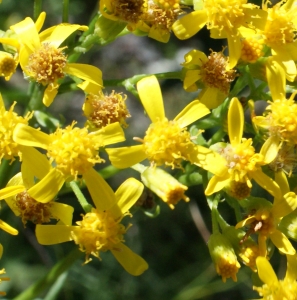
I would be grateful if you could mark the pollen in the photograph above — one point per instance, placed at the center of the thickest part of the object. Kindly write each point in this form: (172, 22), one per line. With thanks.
(167, 143)
(226, 14)
(241, 159)
(46, 65)
(239, 190)
(74, 150)
(7, 65)
(9, 149)
(215, 74)
(98, 231)
(228, 266)
(252, 49)
(32, 210)
(102, 110)
(168, 4)
(280, 26)
(128, 10)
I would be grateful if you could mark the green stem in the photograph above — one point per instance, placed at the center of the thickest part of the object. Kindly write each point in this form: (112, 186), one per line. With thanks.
(81, 198)
(35, 102)
(37, 9)
(65, 16)
(49, 279)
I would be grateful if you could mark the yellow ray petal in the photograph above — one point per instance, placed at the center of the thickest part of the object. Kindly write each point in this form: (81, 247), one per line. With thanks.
(151, 97)
(131, 262)
(234, 47)
(265, 271)
(53, 234)
(191, 77)
(50, 93)
(270, 149)
(282, 242)
(111, 133)
(4, 226)
(126, 157)
(211, 97)
(291, 273)
(62, 212)
(11, 42)
(285, 205)
(127, 195)
(216, 184)
(62, 32)
(40, 21)
(281, 180)
(245, 222)
(11, 191)
(101, 193)
(29, 136)
(47, 188)
(192, 112)
(190, 24)
(85, 72)
(235, 122)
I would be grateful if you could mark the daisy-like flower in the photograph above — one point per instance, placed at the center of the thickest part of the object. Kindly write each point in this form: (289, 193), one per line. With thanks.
(16, 193)
(273, 288)
(9, 149)
(265, 218)
(223, 18)
(166, 142)
(279, 121)
(211, 73)
(100, 230)
(74, 151)
(152, 17)
(242, 163)
(43, 60)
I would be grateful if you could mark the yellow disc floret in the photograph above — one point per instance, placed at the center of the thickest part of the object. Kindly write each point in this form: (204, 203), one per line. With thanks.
(32, 210)
(128, 10)
(98, 231)
(9, 149)
(46, 64)
(74, 150)
(168, 3)
(167, 143)
(252, 49)
(7, 65)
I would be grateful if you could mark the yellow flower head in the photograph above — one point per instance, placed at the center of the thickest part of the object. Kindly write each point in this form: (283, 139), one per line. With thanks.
(210, 72)
(74, 151)
(223, 18)
(280, 120)
(9, 149)
(223, 256)
(166, 142)
(273, 288)
(100, 230)
(8, 64)
(43, 60)
(101, 110)
(252, 49)
(242, 163)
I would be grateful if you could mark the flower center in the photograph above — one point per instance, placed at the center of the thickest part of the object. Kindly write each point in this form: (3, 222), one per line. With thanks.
(239, 190)
(214, 73)
(102, 110)
(167, 143)
(128, 10)
(252, 49)
(7, 65)
(241, 159)
(227, 266)
(98, 231)
(264, 223)
(225, 14)
(32, 210)
(74, 150)
(8, 121)
(46, 65)
(280, 26)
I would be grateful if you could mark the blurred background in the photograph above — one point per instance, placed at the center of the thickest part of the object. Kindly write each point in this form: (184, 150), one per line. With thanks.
(174, 242)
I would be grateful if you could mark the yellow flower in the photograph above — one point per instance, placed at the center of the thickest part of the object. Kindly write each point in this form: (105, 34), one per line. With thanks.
(8, 64)
(211, 72)
(166, 142)
(279, 121)
(44, 61)
(274, 289)
(223, 18)
(265, 218)
(17, 192)
(100, 230)
(241, 162)
(223, 256)
(9, 149)
(74, 151)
